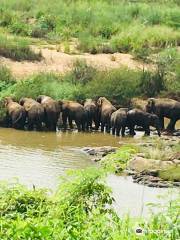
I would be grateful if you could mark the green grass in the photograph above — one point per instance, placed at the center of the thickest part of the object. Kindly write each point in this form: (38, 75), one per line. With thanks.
(117, 162)
(17, 49)
(80, 209)
(170, 174)
(100, 26)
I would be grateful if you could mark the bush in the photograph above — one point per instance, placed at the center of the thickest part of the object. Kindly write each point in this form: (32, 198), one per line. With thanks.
(81, 209)
(152, 83)
(120, 85)
(6, 78)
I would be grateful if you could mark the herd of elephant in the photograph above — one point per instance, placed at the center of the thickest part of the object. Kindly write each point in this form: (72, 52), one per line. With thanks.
(45, 112)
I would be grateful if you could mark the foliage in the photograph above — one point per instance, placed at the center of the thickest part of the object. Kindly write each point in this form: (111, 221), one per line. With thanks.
(81, 209)
(6, 78)
(152, 83)
(170, 174)
(119, 85)
(100, 26)
(117, 162)
(17, 49)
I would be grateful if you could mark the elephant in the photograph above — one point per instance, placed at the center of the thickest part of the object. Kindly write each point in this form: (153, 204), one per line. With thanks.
(119, 121)
(143, 119)
(91, 114)
(16, 114)
(35, 113)
(105, 109)
(51, 109)
(73, 111)
(164, 107)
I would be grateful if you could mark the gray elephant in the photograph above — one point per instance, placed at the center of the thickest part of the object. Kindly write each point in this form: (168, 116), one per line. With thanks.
(137, 117)
(35, 113)
(73, 111)
(16, 114)
(52, 111)
(105, 109)
(164, 107)
(119, 121)
(91, 111)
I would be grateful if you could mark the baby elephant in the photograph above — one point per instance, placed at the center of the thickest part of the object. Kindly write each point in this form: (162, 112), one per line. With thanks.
(16, 114)
(119, 121)
(142, 119)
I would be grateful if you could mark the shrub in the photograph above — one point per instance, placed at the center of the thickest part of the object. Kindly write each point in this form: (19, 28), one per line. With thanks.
(119, 85)
(6, 78)
(152, 83)
(81, 73)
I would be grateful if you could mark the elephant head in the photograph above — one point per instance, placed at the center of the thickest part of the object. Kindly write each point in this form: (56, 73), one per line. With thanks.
(40, 98)
(150, 107)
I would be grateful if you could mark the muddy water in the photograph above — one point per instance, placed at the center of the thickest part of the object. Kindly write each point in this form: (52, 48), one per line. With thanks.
(40, 158)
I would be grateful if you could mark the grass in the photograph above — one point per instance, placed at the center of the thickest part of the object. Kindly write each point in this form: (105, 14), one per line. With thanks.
(117, 162)
(100, 26)
(17, 49)
(160, 150)
(80, 209)
(170, 174)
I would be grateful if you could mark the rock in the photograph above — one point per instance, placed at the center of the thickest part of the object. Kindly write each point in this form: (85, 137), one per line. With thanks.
(176, 161)
(91, 152)
(176, 184)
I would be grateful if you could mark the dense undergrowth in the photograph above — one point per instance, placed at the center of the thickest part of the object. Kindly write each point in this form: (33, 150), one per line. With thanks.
(140, 27)
(81, 209)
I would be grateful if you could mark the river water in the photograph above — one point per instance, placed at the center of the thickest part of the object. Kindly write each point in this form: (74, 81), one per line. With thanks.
(40, 158)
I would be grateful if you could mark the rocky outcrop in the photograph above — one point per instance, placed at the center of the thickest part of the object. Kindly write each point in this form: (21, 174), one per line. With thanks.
(97, 153)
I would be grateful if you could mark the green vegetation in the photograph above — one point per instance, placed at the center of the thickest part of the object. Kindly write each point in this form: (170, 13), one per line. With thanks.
(170, 174)
(117, 162)
(142, 27)
(17, 49)
(81, 209)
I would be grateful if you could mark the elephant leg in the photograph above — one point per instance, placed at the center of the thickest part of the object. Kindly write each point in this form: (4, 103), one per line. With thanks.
(83, 127)
(171, 125)
(102, 127)
(70, 123)
(108, 126)
(162, 122)
(132, 132)
(118, 131)
(97, 124)
(113, 130)
(64, 119)
(147, 131)
(30, 126)
(78, 124)
(123, 131)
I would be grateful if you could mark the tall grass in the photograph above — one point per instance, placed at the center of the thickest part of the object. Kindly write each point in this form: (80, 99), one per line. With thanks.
(100, 26)
(17, 49)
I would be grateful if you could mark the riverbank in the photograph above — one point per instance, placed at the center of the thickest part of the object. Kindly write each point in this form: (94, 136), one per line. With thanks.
(155, 162)
(82, 203)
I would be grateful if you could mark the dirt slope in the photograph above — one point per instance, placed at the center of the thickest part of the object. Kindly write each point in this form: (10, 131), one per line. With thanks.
(61, 62)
